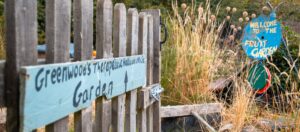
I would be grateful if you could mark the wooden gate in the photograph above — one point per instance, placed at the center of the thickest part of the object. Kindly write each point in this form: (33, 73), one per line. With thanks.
(119, 33)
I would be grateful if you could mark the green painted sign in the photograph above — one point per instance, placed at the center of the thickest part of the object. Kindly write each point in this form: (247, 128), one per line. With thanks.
(258, 76)
(51, 92)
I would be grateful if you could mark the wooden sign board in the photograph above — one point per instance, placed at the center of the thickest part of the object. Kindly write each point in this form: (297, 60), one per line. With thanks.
(262, 36)
(51, 92)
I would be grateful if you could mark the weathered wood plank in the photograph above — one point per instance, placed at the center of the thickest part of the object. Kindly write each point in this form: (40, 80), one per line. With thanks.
(104, 35)
(58, 22)
(119, 49)
(132, 49)
(185, 110)
(156, 44)
(142, 49)
(144, 97)
(210, 128)
(83, 29)
(74, 86)
(156, 65)
(150, 69)
(150, 56)
(83, 39)
(104, 18)
(150, 119)
(21, 38)
(102, 115)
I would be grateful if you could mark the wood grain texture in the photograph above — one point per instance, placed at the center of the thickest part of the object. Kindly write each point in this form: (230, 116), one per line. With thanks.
(150, 56)
(185, 110)
(156, 44)
(58, 23)
(144, 98)
(104, 18)
(119, 50)
(21, 38)
(132, 49)
(83, 29)
(58, 26)
(150, 59)
(142, 49)
(156, 65)
(102, 115)
(83, 40)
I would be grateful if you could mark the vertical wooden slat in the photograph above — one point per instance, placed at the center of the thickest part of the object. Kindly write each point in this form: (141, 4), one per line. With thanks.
(150, 70)
(83, 40)
(104, 50)
(119, 50)
(21, 38)
(132, 49)
(156, 44)
(58, 22)
(142, 49)
(157, 67)
(83, 29)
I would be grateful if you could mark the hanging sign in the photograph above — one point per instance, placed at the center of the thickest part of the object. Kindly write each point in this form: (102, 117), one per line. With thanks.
(262, 36)
(51, 92)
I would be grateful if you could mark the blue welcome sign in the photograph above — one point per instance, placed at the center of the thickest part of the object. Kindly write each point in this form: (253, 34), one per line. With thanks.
(51, 92)
(262, 36)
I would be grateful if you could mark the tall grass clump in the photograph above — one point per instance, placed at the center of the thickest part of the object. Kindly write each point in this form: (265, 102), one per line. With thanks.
(191, 54)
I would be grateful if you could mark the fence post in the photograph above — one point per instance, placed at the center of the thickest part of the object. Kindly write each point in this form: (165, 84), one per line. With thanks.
(150, 70)
(157, 67)
(104, 50)
(58, 23)
(119, 50)
(21, 38)
(132, 49)
(142, 49)
(83, 40)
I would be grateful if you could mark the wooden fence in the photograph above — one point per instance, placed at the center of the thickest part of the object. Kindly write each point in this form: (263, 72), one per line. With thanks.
(119, 33)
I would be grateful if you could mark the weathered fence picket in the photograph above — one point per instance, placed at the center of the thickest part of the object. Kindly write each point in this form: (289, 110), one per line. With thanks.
(58, 31)
(21, 38)
(83, 40)
(132, 49)
(118, 34)
(142, 49)
(119, 50)
(104, 19)
(156, 65)
(150, 70)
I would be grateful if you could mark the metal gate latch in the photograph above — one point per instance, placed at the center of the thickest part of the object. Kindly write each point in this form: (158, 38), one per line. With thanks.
(155, 91)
